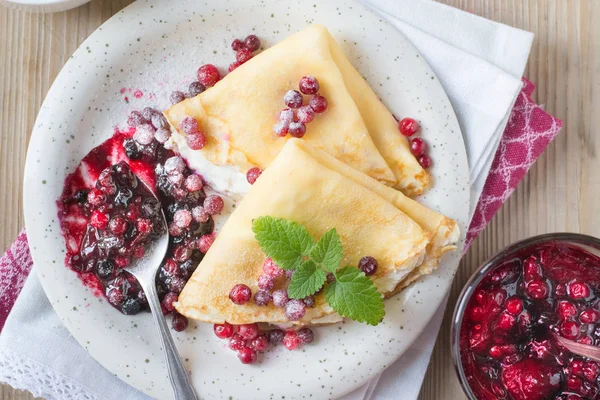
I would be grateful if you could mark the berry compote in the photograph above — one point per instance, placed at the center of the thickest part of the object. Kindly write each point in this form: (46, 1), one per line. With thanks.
(107, 217)
(507, 339)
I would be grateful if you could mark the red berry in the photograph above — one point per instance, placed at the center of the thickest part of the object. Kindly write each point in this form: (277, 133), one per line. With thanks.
(262, 298)
(208, 75)
(514, 305)
(237, 45)
(589, 316)
(569, 330)
(199, 214)
(224, 330)
(566, 310)
(205, 242)
(138, 252)
(280, 298)
(293, 99)
(297, 129)
(495, 352)
(233, 66)
(182, 218)
(118, 225)
(196, 141)
(477, 314)
(271, 269)
(408, 126)
(253, 174)
(275, 336)
(189, 125)
(538, 289)
(95, 197)
(248, 331)
(236, 342)
(305, 114)
(213, 205)
(260, 343)
(309, 85)
(252, 42)
(247, 355)
(418, 146)
(531, 269)
(240, 294)
(291, 340)
(281, 129)
(99, 220)
(425, 161)
(295, 310)
(590, 371)
(180, 323)
(243, 55)
(143, 225)
(318, 103)
(121, 261)
(286, 116)
(193, 183)
(505, 321)
(306, 335)
(266, 282)
(168, 301)
(181, 253)
(368, 265)
(578, 290)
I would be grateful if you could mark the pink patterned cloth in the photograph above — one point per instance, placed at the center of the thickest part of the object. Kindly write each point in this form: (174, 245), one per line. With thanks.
(529, 130)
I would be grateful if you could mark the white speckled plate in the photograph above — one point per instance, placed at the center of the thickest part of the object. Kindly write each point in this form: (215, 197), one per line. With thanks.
(134, 60)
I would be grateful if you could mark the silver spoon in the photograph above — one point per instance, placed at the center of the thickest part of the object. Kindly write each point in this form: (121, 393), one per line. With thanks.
(584, 350)
(144, 270)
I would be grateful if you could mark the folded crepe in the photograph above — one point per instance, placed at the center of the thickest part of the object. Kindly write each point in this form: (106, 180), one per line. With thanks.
(299, 187)
(239, 112)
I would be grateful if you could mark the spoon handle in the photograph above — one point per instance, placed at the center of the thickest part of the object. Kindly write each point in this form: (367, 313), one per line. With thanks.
(180, 381)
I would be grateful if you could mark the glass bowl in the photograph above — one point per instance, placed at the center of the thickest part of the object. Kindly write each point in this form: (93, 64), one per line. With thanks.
(587, 243)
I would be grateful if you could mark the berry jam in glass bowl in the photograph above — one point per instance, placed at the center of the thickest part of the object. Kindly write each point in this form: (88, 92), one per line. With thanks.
(508, 314)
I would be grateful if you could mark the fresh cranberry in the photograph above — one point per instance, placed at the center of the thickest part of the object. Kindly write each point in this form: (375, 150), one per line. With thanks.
(275, 336)
(252, 42)
(305, 114)
(174, 230)
(281, 129)
(181, 253)
(309, 85)
(569, 330)
(589, 316)
(531, 269)
(144, 134)
(425, 161)
(213, 205)
(505, 321)
(243, 55)
(237, 45)
(309, 301)
(193, 183)
(262, 298)
(199, 214)
(295, 310)
(205, 242)
(293, 99)
(306, 335)
(233, 66)
(99, 220)
(408, 126)
(286, 115)
(247, 355)
(182, 218)
(566, 310)
(189, 125)
(418, 146)
(253, 174)
(368, 265)
(196, 141)
(248, 331)
(271, 269)
(236, 342)
(162, 135)
(196, 88)
(143, 225)
(514, 305)
(176, 97)
(118, 225)
(538, 289)
(578, 290)
(280, 298)
(224, 330)
(208, 75)
(179, 322)
(115, 297)
(318, 103)
(266, 282)
(495, 352)
(297, 129)
(240, 294)
(135, 119)
(260, 343)
(174, 164)
(95, 197)
(291, 340)
(168, 301)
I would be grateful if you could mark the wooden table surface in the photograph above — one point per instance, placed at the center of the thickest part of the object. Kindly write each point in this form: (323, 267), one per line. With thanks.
(560, 193)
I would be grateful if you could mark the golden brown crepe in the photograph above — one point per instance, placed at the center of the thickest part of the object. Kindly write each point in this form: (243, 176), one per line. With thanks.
(239, 112)
(299, 187)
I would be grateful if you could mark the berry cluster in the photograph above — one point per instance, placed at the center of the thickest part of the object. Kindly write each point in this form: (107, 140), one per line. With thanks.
(293, 119)
(244, 50)
(408, 127)
(207, 76)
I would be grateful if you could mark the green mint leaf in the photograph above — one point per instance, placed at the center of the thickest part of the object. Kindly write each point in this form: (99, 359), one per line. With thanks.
(286, 242)
(307, 280)
(328, 251)
(353, 295)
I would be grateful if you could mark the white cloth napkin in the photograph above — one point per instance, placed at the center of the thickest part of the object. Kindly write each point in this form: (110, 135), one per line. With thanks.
(479, 63)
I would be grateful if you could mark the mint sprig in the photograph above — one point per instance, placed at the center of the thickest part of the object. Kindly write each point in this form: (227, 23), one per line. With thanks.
(352, 294)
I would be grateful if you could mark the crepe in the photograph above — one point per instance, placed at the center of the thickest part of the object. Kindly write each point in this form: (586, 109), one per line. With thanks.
(239, 112)
(298, 187)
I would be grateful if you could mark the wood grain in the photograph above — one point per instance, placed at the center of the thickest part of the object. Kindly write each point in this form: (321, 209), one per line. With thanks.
(560, 193)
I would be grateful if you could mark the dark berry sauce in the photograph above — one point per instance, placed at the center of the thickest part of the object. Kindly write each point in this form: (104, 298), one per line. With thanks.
(107, 217)
(506, 339)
